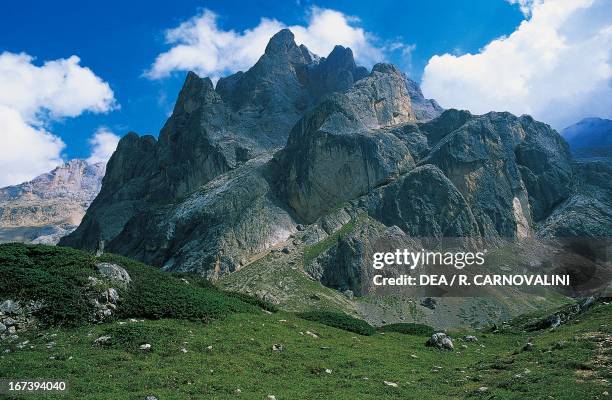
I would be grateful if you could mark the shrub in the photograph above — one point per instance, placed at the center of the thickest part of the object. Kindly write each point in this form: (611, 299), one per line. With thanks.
(58, 276)
(54, 276)
(155, 294)
(339, 320)
(408, 329)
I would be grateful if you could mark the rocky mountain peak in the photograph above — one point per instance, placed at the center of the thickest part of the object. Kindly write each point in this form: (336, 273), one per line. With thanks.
(281, 43)
(50, 205)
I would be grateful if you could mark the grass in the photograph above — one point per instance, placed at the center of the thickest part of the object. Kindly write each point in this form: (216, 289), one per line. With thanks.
(242, 358)
(206, 344)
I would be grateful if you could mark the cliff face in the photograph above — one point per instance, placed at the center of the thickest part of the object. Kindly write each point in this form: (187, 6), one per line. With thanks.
(215, 130)
(51, 205)
(294, 149)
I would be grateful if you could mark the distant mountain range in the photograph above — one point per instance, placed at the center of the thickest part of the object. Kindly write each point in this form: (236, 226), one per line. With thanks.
(590, 137)
(51, 205)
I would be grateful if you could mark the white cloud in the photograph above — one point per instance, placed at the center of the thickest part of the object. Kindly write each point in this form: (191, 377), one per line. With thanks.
(103, 144)
(26, 151)
(524, 5)
(31, 97)
(199, 44)
(555, 66)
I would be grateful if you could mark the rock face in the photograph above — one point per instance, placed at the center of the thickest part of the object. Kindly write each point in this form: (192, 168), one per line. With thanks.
(51, 205)
(348, 158)
(588, 211)
(213, 131)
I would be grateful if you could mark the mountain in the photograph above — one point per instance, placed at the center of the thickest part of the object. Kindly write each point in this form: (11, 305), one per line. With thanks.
(302, 167)
(590, 137)
(51, 205)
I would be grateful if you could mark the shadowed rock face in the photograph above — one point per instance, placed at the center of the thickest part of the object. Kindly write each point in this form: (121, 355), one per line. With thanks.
(214, 130)
(295, 138)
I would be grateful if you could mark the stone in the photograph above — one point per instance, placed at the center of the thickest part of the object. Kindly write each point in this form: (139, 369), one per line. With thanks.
(429, 302)
(2, 327)
(277, 347)
(392, 384)
(114, 273)
(441, 341)
(8, 321)
(145, 347)
(470, 338)
(102, 341)
(150, 397)
(112, 295)
(10, 307)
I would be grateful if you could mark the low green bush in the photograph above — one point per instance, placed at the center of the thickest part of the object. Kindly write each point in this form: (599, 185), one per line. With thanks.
(408, 329)
(339, 320)
(54, 276)
(156, 294)
(58, 277)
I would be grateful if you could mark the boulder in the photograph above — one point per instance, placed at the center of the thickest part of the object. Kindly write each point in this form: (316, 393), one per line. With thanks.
(114, 273)
(440, 341)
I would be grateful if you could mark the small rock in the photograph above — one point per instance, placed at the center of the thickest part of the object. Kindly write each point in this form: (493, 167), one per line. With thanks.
(112, 295)
(392, 384)
(328, 371)
(441, 341)
(8, 321)
(286, 250)
(271, 397)
(277, 347)
(10, 307)
(429, 302)
(237, 391)
(314, 335)
(209, 348)
(470, 338)
(414, 356)
(184, 350)
(2, 327)
(145, 347)
(102, 341)
(482, 389)
(11, 330)
(150, 397)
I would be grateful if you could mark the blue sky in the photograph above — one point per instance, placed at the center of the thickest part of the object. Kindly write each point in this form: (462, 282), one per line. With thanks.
(548, 58)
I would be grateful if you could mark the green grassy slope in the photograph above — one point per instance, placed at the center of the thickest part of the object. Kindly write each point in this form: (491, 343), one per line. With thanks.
(211, 357)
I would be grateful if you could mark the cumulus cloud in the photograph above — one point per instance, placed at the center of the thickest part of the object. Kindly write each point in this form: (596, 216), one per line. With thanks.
(26, 151)
(103, 144)
(555, 66)
(199, 44)
(524, 5)
(33, 96)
